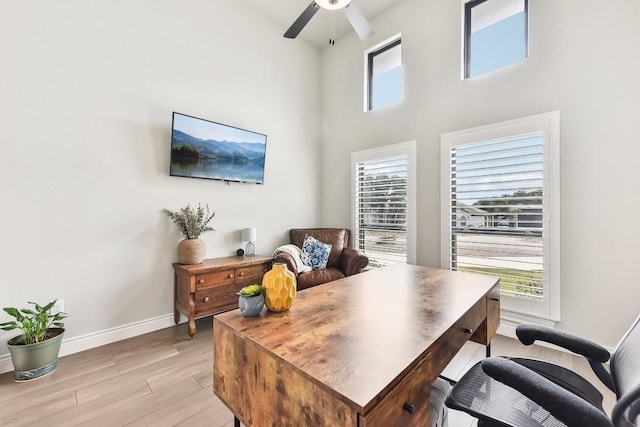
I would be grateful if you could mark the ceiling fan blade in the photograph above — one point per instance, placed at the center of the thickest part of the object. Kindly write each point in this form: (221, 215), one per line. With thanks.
(302, 20)
(359, 22)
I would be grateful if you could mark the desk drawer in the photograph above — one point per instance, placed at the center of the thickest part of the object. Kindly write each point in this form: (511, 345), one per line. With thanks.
(214, 278)
(485, 332)
(493, 312)
(407, 404)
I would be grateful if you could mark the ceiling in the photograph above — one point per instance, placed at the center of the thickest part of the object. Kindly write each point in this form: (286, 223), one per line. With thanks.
(317, 32)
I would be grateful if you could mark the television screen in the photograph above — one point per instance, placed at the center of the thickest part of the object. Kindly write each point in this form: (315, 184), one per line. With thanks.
(205, 149)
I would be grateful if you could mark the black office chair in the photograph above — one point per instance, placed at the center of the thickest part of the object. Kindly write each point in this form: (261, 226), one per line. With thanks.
(516, 392)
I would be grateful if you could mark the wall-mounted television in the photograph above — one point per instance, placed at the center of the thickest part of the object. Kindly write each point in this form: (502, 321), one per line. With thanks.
(204, 149)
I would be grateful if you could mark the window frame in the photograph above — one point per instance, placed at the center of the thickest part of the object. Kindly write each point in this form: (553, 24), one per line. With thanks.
(548, 124)
(369, 57)
(466, 36)
(407, 149)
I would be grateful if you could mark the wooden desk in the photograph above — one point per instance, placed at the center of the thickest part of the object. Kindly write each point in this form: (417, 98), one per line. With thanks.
(210, 287)
(352, 352)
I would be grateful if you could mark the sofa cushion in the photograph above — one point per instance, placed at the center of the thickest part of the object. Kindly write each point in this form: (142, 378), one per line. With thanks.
(315, 253)
(317, 277)
(338, 238)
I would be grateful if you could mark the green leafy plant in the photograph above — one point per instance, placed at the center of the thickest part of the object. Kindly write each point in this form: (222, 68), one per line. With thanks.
(192, 222)
(250, 291)
(33, 323)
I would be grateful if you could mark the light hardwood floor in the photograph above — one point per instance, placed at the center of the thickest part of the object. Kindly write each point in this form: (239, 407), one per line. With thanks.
(165, 379)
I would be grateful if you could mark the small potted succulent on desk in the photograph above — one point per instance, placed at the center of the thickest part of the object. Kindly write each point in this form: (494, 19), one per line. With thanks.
(35, 352)
(251, 300)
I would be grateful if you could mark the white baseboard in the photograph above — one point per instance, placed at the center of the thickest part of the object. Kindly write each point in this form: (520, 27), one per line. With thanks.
(96, 339)
(507, 330)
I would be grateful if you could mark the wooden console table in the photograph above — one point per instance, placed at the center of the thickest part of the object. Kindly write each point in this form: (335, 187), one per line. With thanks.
(210, 287)
(360, 351)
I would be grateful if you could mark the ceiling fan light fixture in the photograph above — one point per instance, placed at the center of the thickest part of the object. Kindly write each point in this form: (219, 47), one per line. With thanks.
(359, 23)
(333, 4)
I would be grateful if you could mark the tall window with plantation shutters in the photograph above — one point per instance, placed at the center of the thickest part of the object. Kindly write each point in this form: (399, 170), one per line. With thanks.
(383, 188)
(500, 209)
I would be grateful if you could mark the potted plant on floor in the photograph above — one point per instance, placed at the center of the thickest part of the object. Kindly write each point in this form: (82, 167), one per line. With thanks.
(192, 223)
(35, 352)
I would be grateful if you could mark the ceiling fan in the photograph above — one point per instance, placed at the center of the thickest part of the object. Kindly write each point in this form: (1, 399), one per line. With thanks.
(360, 24)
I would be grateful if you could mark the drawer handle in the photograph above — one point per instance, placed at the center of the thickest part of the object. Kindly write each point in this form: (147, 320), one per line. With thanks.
(494, 299)
(467, 330)
(230, 275)
(241, 274)
(409, 408)
(205, 299)
(201, 281)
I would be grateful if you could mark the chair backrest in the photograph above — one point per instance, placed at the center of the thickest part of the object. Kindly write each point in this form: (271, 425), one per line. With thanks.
(338, 238)
(625, 370)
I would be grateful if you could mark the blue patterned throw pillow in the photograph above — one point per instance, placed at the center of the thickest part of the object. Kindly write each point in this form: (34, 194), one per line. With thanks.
(315, 254)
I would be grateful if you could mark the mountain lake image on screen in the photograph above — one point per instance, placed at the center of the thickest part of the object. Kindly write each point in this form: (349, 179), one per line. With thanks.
(209, 150)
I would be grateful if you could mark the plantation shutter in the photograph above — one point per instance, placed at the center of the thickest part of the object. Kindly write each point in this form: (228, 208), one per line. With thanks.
(381, 209)
(497, 212)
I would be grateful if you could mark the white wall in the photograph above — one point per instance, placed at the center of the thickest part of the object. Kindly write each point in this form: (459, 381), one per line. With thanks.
(582, 62)
(86, 95)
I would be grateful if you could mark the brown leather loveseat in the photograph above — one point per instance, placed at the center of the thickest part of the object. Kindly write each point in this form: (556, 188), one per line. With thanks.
(343, 260)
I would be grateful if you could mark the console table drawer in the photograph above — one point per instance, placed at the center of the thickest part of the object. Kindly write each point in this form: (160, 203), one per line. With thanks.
(214, 278)
(250, 275)
(216, 299)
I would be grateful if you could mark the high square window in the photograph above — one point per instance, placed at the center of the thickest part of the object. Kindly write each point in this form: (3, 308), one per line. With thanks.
(495, 35)
(384, 75)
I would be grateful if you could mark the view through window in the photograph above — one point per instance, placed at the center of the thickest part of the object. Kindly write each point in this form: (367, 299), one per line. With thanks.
(495, 35)
(382, 185)
(497, 211)
(498, 201)
(384, 75)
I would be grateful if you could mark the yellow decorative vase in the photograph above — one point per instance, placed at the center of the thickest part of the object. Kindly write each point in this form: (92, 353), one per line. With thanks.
(279, 286)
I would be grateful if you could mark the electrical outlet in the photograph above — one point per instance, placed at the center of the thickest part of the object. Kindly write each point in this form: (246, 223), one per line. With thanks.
(58, 307)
